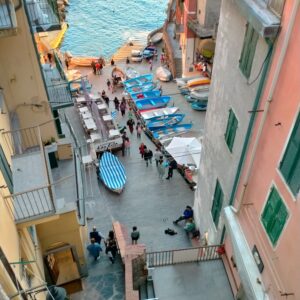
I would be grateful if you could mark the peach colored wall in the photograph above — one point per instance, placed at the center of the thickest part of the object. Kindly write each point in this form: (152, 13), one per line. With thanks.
(189, 7)
(281, 262)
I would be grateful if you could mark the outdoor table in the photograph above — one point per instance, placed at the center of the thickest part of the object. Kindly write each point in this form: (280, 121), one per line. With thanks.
(107, 118)
(95, 137)
(90, 124)
(114, 133)
(102, 106)
(83, 109)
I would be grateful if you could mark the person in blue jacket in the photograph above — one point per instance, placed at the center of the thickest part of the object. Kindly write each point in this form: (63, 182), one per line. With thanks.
(187, 214)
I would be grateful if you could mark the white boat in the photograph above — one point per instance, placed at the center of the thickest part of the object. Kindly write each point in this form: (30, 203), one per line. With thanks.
(159, 112)
(156, 38)
(136, 55)
(163, 74)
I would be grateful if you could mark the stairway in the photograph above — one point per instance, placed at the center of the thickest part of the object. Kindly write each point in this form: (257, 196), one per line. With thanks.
(178, 67)
(147, 291)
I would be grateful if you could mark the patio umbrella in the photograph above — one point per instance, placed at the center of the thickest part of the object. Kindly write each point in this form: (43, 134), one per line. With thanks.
(185, 150)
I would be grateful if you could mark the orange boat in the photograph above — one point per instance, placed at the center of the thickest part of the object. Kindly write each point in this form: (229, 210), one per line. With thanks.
(82, 61)
(198, 81)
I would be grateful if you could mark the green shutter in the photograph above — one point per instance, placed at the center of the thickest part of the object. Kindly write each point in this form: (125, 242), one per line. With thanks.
(248, 51)
(274, 216)
(230, 133)
(5, 169)
(217, 203)
(290, 164)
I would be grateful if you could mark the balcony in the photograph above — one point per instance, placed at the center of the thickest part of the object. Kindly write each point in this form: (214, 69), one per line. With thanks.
(56, 84)
(8, 21)
(42, 186)
(185, 273)
(199, 30)
(43, 15)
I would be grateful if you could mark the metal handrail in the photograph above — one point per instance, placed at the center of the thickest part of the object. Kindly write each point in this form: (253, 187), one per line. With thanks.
(170, 257)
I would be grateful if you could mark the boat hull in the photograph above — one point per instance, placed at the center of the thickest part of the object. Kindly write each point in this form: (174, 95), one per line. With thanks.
(164, 121)
(112, 172)
(141, 80)
(171, 131)
(151, 103)
(159, 112)
(144, 95)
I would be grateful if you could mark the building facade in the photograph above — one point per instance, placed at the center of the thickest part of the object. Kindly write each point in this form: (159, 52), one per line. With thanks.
(262, 225)
(41, 235)
(244, 46)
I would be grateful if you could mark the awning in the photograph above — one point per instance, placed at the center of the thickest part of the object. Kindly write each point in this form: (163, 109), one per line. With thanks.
(247, 268)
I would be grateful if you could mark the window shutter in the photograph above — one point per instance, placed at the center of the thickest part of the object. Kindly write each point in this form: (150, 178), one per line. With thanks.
(5, 169)
(217, 203)
(279, 221)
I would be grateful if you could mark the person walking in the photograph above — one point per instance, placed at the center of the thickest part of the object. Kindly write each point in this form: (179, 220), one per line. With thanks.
(157, 156)
(123, 107)
(94, 249)
(112, 62)
(172, 166)
(127, 146)
(108, 83)
(139, 130)
(130, 124)
(97, 65)
(148, 156)
(142, 149)
(130, 113)
(135, 235)
(151, 64)
(96, 235)
(93, 64)
(111, 246)
(127, 60)
(117, 103)
(161, 168)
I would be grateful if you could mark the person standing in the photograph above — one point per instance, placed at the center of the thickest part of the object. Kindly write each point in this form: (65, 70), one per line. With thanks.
(117, 103)
(130, 124)
(112, 62)
(123, 107)
(127, 146)
(139, 130)
(172, 166)
(135, 235)
(142, 149)
(148, 156)
(157, 156)
(161, 168)
(111, 246)
(151, 64)
(130, 114)
(96, 235)
(93, 64)
(127, 60)
(94, 249)
(97, 65)
(108, 83)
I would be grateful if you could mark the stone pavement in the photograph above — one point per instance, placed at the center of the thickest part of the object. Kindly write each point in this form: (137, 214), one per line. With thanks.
(147, 202)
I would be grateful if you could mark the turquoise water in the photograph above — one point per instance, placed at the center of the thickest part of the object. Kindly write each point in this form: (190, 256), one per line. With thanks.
(100, 27)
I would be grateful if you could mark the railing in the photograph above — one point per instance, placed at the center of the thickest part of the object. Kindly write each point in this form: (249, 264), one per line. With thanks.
(171, 257)
(22, 140)
(59, 66)
(7, 15)
(199, 30)
(31, 204)
(43, 14)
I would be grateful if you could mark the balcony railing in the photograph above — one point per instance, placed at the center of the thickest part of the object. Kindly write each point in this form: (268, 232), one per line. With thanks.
(7, 15)
(43, 15)
(171, 257)
(201, 31)
(31, 205)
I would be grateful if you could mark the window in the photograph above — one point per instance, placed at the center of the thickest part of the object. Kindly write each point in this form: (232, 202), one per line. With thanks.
(232, 125)
(247, 56)
(5, 170)
(217, 203)
(290, 164)
(274, 216)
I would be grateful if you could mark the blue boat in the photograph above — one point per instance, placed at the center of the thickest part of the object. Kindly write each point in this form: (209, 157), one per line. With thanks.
(199, 105)
(149, 52)
(142, 88)
(151, 103)
(112, 172)
(191, 99)
(143, 95)
(138, 80)
(171, 131)
(164, 121)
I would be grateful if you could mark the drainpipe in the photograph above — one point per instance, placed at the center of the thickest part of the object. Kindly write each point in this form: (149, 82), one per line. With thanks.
(269, 99)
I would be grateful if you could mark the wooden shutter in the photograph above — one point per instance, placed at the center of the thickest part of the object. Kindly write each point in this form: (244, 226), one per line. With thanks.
(290, 164)
(217, 203)
(231, 129)
(5, 169)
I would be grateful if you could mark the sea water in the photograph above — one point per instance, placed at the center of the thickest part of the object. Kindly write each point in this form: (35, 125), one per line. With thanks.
(100, 27)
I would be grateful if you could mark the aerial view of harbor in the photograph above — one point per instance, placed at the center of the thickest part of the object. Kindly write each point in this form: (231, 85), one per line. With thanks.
(149, 149)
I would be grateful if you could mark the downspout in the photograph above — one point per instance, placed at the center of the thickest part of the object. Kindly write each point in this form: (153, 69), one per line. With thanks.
(269, 99)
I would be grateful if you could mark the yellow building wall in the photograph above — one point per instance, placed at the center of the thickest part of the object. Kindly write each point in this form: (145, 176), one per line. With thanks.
(65, 229)
(21, 79)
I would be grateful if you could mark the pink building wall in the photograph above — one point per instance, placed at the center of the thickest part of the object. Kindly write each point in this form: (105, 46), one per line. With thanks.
(189, 6)
(282, 262)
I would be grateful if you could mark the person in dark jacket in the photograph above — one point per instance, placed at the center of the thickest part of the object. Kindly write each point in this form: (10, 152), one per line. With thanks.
(135, 235)
(187, 214)
(148, 156)
(96, 235)
(117, 103)
(172, 166)
(130, 124)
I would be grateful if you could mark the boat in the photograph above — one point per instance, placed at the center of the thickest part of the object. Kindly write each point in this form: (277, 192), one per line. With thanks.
(171, 131)
(131, 73)
(198, 81)
(119, 74)
(159, 112)
(151, 103)
(149, 52)
(136, 56)
(164, 121)
(112, 172)
(163, 74)
(142, 88)
(143, 95)
(185, 90)
(199, 105)
(195, 96)
(156, 38)
(183, 80)
(138, 80)
(82, 61)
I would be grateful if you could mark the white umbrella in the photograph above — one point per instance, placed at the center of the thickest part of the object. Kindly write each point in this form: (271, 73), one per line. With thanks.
(185, 150)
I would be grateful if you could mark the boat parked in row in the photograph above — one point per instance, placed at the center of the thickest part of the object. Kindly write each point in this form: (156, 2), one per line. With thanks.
(151, 103)
(171, 131)
(143, 95)
(159, 112)
(142, 88)
(164, 121)
(147, 78)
